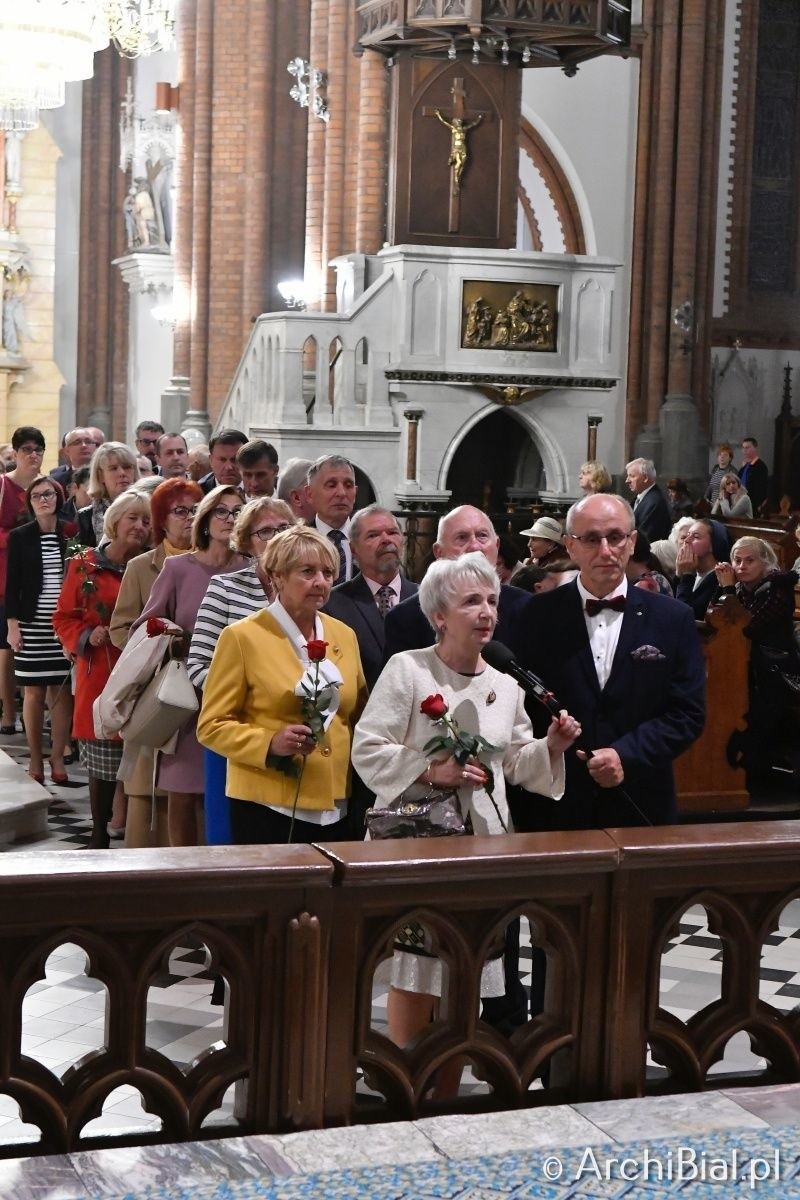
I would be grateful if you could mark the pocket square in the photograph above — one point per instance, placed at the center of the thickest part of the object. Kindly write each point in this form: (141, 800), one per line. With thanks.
(647, 654)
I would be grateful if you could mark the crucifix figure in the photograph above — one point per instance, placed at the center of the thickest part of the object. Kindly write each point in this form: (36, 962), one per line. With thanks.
(459, 126)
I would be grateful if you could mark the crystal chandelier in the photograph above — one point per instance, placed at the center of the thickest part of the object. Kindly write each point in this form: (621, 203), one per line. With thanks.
(140, 27)
(45, 44)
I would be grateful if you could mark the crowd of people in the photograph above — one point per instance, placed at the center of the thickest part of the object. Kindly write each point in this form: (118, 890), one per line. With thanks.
(327, 685)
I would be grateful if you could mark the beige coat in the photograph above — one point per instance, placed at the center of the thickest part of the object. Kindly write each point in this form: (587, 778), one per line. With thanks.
(137, 583)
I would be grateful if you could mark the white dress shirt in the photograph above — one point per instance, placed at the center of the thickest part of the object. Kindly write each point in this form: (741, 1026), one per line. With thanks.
(603, 630)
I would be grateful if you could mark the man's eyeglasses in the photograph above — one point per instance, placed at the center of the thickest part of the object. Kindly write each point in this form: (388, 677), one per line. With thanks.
(50, 495)
(225, 514)
(593, 540)
(80, 442)
(268, 531)
(181, 510)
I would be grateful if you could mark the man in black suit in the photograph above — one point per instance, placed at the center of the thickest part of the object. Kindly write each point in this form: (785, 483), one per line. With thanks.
(460, 531)
(627, 665)
(222, 451)
(650, 509)
(78, 449)
(364, 602)
(146, 439)
(754, 474)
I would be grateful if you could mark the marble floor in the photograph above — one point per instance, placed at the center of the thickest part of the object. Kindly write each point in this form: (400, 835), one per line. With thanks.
(709, 1146)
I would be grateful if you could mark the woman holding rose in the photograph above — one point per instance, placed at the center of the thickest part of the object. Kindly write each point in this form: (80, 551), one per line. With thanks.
(448, 689)
(282, 694)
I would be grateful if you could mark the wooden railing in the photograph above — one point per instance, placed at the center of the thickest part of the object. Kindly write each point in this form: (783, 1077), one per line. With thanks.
(298, 933)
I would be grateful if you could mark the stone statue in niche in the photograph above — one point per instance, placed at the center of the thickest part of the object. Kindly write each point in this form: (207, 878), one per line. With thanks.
(142, 227)
(14, 325)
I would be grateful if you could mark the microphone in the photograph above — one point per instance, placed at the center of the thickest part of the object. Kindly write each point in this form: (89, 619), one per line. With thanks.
(500, 657)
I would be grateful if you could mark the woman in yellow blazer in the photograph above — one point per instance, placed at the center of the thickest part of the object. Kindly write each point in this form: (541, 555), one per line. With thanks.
(252, 703)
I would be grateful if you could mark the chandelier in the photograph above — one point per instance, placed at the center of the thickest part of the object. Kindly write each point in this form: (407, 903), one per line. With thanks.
(45, 44)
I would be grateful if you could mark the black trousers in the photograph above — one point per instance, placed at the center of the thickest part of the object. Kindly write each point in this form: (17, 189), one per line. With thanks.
(256, 825)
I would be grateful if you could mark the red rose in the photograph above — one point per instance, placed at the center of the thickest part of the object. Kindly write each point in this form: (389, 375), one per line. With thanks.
(316, 650)
(156, 626)
(434, 707)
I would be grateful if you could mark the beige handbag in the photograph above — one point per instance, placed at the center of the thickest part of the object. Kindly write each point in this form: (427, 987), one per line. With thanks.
(164, 706)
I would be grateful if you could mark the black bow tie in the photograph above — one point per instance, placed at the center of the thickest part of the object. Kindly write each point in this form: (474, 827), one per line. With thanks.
(595, 607)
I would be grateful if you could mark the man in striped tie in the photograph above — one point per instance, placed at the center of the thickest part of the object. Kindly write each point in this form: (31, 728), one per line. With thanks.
(331, 490)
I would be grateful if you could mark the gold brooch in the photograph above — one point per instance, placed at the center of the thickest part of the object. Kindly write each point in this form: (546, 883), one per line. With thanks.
(490, 699)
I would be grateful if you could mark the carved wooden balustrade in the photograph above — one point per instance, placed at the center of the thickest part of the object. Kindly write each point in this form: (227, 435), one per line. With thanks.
(298, 933)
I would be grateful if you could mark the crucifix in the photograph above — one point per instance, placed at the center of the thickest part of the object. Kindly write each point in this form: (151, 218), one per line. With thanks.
(460, 123)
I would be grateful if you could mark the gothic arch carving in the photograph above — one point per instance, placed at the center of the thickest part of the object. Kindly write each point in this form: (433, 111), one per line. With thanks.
(557, 184)
(553, 461)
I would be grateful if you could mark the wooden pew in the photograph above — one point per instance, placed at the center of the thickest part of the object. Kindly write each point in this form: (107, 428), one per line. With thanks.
(778, 530)
(704, 778)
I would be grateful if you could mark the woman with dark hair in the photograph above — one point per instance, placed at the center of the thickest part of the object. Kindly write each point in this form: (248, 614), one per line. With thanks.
(27, 444)
(36, 553)
(680, 502)
(81, 621)
(176, 596)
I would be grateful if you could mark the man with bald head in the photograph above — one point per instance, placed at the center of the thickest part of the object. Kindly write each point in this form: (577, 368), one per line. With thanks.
(627, 664)
(461, 531)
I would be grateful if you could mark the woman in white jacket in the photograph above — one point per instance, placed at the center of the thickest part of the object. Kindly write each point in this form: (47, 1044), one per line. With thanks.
(459, 598)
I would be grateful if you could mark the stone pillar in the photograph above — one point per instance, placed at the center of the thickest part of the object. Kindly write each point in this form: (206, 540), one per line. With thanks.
(413, 416)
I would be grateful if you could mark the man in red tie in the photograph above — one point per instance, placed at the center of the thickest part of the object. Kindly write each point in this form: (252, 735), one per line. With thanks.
(628, 665)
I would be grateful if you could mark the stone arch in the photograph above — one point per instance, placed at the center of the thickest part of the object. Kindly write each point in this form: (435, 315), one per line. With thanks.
(554, 465)
(567, 196)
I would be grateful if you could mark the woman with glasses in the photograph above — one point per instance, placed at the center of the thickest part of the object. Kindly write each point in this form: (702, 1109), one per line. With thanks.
(113, 470)
(733, 500)
(28, 448)
(173, 505)
(176, 596)
(231, 598)
(35, 573)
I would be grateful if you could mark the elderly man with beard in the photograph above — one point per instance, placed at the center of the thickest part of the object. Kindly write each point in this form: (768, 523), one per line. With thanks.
(365, 602)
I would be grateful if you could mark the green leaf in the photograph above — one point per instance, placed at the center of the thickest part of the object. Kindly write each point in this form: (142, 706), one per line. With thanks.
(461, 754)
(489, 785)
(441, 742)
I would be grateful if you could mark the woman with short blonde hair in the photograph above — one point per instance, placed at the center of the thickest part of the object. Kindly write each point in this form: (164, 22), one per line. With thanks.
(594, 477)
(113, 470)
(253, 714)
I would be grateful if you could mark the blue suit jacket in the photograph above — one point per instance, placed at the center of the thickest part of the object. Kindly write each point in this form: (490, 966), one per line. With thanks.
(407, 627)
(353, 603)
(650, 710)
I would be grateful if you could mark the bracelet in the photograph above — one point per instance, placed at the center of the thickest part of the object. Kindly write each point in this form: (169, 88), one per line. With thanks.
(428, 776)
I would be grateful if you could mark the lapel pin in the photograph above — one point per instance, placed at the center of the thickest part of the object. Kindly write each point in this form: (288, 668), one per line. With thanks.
(490, 699)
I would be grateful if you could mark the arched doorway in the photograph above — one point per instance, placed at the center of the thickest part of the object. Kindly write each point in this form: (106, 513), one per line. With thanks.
(496, 454)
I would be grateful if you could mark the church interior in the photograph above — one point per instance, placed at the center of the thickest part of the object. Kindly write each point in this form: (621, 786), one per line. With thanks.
(469, 245)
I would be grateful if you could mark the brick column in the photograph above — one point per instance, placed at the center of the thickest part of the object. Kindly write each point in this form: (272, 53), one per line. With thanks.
(373, 135)
(101, 383)
(673, 221)
(184, 210)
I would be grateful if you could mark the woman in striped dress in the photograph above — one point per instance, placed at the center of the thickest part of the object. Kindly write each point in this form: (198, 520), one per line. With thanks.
(231, 598)
(35, 573)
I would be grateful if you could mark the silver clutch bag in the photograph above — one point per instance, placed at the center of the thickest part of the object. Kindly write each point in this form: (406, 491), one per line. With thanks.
(436, 814)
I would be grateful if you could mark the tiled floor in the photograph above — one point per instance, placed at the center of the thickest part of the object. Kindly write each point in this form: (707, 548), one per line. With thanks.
(64, 1015)
(749, 1138)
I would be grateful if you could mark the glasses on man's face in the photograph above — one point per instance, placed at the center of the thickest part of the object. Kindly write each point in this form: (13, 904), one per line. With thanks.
(149, 442)
(593, 540)
(267, 531)
(80, 442)
(181, 510)
(225, 514)
(49, 495)
(31, 451)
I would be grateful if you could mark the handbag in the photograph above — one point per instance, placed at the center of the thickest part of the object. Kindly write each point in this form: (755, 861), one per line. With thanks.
(163, 707)
(436, 814)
